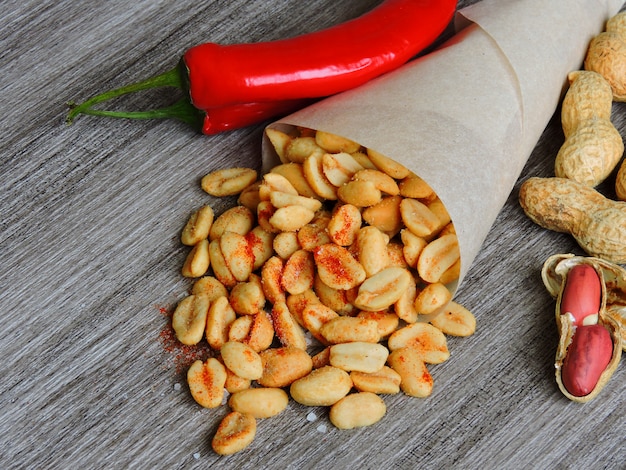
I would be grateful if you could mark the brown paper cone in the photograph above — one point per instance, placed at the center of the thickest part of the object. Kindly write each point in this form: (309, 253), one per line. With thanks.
(466, 117)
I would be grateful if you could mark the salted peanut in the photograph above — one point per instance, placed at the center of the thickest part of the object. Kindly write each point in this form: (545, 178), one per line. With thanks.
(314, 316)
(385, 215)
(314, 174)
(286, 327)
(298, 272)
(335, 299)
(235, 432)
(247, 298)
(198, 260)
(322, 358)
(447, 229)
(261, 332)
(264, 212)
(418, 218)
(382, 181)
(383, 289)
(363, 160)
(271, 276)
(359, 193)
(386, 322)
(415, 187)
(198, 226)
(358, 355)
(455, 320)
(242, 360)
(384, 381)
(189, 318)
(280, 199)
(234, 383)
(274, 182)
(238, 219)
(219, 320)
(300, 148)
(249, 197)
(219, 266)
(452, 273)
(437, 207)
(337, 268)
(405, 305)
(437, 257)
(295, 175)
(334, 143)
(426, 340)
(279, 141)
(228, 181)
(432, 298)
(415, 379)
(339, 167)
(240, 328)
(321, 387)
(413, 246)
(387, 165)
(260, 243)
(396, 255)
(206, 382)
(209, 286)
(371, 246)
(283, 366)
(238, 255)
(350, 329)
(259, 402)
(357, 410)
(313, 235)
(298, 302)
(344, 224)
(285, 244)
(291, 218)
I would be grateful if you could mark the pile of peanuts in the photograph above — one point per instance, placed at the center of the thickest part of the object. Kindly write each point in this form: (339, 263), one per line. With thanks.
(327, 283)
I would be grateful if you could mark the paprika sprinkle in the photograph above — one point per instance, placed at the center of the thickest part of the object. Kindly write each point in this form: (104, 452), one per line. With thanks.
(236, 85)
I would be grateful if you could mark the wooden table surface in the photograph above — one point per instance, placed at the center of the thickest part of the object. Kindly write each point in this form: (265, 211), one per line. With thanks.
(90, 258)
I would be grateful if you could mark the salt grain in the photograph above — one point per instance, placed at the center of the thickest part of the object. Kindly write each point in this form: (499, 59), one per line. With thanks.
(177, 387)
(321, 428)
(196, 455)
(311, 417)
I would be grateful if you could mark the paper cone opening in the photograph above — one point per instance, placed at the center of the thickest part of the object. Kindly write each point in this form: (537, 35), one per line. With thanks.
(466, 117)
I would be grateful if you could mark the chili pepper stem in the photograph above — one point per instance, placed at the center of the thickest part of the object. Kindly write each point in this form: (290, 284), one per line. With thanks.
(182, 110)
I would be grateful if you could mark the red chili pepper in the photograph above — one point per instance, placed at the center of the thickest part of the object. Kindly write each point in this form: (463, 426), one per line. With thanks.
(270, 78)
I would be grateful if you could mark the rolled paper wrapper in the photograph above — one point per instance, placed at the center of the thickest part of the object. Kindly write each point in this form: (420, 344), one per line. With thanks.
(467, 116)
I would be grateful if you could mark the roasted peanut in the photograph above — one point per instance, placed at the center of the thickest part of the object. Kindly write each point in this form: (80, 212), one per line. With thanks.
(344, 224)
(209, 286)
(228, 181)
(359, 193)
(261, 403)
(455, 320)
(334, 143)
(242, 360)
(336, 299)
(283, 366)
(198, 261)
(247, 298)
(598, 224)
(387, 165)
(198, 226)
(238, 219)
(384, 381)
(385, 215)
(189, 318)
(275, 183)
(291, 218)
(437, 257)
(339, 167)
(426, 341)
(415, 379)
(314, 316)
(432, 298)
(314, 174)
(357, 410)
(294, 173)
(219, 320)
(285, 244)
(286, 327)
(359, 356)
(300, 148)
(418, 218)
(260, 243)
(235, 432)
(337, 268)
(238, 255)
(206, 382)
(383, 289)
(386, 322)
(261, 333)
(371, 246)
(349, 329)
(271, 280)
(240, 328)
(298, 272)
(321, 387)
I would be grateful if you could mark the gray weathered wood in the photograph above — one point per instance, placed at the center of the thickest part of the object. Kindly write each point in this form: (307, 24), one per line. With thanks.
(89, 258)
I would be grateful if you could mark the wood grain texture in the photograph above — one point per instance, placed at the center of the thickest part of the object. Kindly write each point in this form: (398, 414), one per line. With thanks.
(90, 258)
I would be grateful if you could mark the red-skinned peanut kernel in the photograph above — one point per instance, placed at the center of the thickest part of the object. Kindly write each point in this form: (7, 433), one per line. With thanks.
(582, 294)
(587, 357)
